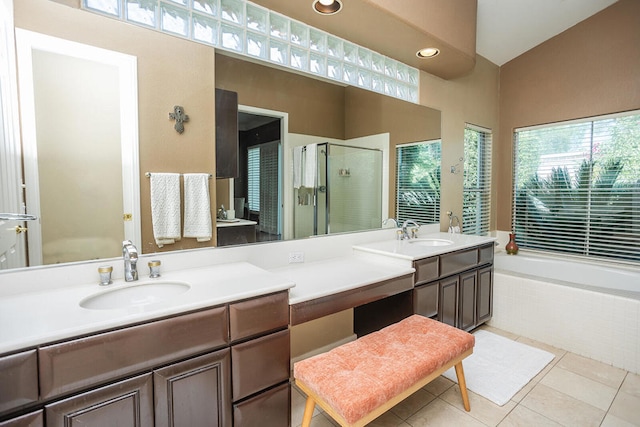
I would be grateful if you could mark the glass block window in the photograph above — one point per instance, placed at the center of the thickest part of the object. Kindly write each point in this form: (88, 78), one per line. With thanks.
(245, 28)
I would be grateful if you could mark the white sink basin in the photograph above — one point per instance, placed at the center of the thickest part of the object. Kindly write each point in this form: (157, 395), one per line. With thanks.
(134, 295)
(431, 242)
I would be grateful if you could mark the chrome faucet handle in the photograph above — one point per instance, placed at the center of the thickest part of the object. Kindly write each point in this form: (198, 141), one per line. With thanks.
(130, 256)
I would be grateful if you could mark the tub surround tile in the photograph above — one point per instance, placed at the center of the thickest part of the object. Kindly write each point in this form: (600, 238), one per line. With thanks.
(625, 406)
(522, 416)
(562, 408)
(579, 387)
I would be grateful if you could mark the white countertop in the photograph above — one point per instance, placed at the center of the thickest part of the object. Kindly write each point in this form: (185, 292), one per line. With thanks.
(34, 318)
(413, 250)
(234, 223)
(321, 278)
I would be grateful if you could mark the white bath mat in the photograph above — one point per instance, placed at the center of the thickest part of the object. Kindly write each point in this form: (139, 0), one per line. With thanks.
(500, 367)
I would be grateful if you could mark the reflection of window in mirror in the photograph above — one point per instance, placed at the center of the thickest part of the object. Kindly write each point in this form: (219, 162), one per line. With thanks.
(477, 180)
(418, 182)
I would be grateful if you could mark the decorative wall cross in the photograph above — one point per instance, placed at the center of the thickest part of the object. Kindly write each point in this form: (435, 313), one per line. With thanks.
(180, 117)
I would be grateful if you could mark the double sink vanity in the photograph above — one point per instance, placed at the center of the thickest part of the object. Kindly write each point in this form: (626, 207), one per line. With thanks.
(208, 342)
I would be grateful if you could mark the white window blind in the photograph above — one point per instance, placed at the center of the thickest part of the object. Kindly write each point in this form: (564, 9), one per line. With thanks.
(577, 187)
(476, 206)
(418, 182)
(253, 179)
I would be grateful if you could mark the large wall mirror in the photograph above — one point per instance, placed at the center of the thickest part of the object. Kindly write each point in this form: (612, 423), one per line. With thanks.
(318, 112)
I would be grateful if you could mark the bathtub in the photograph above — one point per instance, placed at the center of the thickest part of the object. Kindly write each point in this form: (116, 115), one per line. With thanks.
(588, 308)
(594, 276)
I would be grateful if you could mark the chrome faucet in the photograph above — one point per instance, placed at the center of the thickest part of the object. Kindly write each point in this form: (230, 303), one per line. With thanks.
(414, 230)
(390, 220)
(130, 255)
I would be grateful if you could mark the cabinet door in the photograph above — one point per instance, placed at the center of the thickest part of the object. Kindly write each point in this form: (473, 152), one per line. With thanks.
(18, 380)
(425, 300)
(226, 134)
(448, 310)
(125, 403)
(467, 300)
(485, 295)
(196, 392)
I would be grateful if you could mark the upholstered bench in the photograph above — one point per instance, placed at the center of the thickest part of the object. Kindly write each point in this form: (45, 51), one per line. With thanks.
(359, 381)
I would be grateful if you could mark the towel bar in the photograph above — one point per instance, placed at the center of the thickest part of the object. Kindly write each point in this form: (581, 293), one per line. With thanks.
(148, 175)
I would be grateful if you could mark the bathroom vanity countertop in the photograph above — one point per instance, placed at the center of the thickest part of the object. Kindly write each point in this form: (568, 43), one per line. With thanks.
(412, 250)
(327, 277)
(232, 223)
(34, 318)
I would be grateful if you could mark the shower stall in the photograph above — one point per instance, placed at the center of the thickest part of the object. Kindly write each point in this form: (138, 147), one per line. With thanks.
(337, 188)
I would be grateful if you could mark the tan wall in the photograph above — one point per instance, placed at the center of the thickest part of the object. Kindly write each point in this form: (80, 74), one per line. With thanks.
(171, 71)
(591, 69)
(471, 99)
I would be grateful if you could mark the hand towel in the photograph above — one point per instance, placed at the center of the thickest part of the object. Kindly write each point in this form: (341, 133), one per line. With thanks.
(165, 207)
(197, 207)
(310, 166)
(297, 166)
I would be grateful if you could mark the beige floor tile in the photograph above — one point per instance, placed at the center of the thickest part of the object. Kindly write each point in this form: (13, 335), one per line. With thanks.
(321, 420)
(524, 417)
(412, 404)
(482, 409)
(439, 413)
(298, 400)
(613, 421)
(597, 371)
(631, 385)
(439, 386)
(582, 388)
(388, 419)
(626, 407)
(562, 408)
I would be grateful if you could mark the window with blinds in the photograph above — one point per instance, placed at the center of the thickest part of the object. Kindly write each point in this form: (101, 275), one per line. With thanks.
(418, 182)
(577, 187)
(477, 180)
(253, 178)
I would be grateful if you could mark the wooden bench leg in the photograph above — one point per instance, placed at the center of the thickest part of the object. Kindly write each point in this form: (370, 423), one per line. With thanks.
(463, 386)
(308, 412)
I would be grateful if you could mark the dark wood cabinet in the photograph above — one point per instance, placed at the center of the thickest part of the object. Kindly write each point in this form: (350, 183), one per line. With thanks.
(18, 380)
(456, 288)
(195, 392)
(125, 403)
(226, 134)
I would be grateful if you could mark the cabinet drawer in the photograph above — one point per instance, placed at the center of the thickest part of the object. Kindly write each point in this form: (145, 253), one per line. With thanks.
(33, 419)
(427, 270)
(84, 362)
(486, 254)
(126, 403)
(458, 261)
(258, 315)
(268, 409)
(259, 364)
(18, 380)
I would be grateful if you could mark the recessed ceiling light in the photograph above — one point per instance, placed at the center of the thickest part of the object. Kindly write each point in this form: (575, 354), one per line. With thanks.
(327, 7)
(428, 52)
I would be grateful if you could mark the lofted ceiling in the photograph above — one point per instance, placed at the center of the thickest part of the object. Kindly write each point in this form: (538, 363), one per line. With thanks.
(498, 30)
(508, 28)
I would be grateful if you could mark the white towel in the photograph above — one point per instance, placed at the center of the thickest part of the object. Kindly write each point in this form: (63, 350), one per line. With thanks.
(165, 207)
(310, 166)
(197, 207)
(297, 166)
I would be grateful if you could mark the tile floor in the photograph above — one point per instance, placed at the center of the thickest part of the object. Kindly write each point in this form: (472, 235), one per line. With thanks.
(571, 391)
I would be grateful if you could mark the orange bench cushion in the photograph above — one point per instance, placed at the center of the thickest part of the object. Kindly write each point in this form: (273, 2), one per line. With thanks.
(362, 375)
